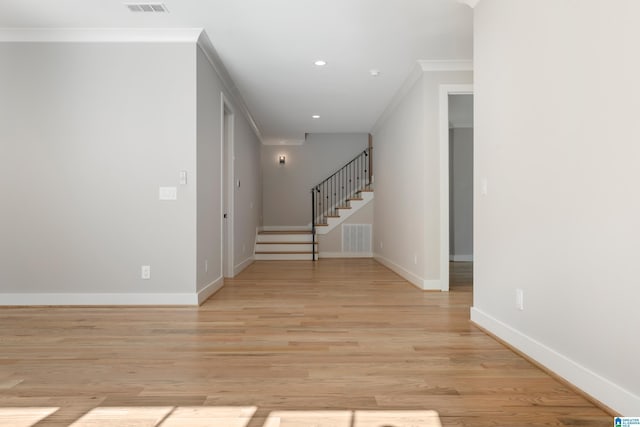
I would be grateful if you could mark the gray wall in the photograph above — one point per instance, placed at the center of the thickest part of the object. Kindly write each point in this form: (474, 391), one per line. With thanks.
(559, 219)
(286, 188)
(88, 132)
(406, 159)
(461, 193)
(247, 197)
(209, 245)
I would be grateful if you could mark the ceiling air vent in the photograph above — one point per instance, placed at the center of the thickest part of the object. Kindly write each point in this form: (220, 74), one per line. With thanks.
(147, 7)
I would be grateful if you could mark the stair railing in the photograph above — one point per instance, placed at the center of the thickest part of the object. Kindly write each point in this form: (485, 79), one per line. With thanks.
(337, 190)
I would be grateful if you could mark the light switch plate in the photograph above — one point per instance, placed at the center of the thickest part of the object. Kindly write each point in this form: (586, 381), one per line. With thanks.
(168, 193)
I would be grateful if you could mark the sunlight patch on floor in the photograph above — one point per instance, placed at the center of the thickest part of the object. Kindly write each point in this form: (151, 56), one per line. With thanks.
(120, 416)
(206, 416)
(360, 419)
(396, 419)
(23, 417)
(309, 419)
(221, 416)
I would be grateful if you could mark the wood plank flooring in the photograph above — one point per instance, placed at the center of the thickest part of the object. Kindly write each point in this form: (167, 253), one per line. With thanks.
(341, 343)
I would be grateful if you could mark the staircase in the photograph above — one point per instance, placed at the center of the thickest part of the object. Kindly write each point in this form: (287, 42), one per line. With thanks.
(285, 245)
(352, 205)
(333, 200)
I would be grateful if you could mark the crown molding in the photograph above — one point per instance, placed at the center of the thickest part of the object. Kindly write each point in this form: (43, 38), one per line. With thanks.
(471, 3)
(282, 143)
(446, 65)
(414, 75)
(137, 35)
(416, 72)
(100, 35)
(234, 95)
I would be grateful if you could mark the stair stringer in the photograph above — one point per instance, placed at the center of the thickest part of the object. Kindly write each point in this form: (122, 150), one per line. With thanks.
(355, 206)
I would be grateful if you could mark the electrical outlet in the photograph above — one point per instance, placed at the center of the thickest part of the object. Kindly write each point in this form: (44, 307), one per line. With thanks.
(145, 272)
(519, 299)
(415, 259)
(206, 265)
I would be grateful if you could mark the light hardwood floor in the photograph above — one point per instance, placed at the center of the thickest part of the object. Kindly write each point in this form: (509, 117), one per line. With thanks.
(284, 344)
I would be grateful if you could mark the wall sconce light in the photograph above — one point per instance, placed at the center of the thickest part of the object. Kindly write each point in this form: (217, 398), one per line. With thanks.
(281, 160)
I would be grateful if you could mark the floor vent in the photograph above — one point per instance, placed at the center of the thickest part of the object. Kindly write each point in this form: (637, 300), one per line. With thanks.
(147, 7)
(356, 238)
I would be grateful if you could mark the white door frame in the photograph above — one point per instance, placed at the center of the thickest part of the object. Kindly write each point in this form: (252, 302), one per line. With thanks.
(445, 91)
(226, 157)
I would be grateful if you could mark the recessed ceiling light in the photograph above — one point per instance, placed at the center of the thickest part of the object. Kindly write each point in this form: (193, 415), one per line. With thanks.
(320, 63)
(374, 73)
(315, 116)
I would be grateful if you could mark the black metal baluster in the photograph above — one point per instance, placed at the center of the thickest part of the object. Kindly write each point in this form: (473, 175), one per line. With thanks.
(313, 225)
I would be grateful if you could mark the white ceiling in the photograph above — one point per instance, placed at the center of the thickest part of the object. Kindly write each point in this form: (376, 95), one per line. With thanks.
(269, 46)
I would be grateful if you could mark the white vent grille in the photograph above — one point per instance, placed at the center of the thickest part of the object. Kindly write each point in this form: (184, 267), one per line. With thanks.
(356, 238)
(147, 7)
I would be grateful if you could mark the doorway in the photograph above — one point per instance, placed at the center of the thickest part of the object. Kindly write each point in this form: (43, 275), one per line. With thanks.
(456, 184)
(227, 182)
(460, 191)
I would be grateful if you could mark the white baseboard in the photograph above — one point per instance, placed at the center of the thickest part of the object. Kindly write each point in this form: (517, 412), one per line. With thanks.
(461, 258)
(414, 279)
(244, 264)
(345, 255)
(591, 383)
(210, 289)
(97, 299)
(431, 285)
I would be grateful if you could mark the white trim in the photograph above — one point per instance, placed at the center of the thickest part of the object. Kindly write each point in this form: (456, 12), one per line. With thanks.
(445, 91)
(446, 65)
(210, 289)
(414, 279)
(344, 214)
(417, 71)
(345, 255)
(227, 268)
(461, 126)
(100, 35)
(285, 228)
(283, 142)
(414, 75)
(431, 285)
(57, 299)
(205, 45)
(471, 3)
(461, 258)
(244, 264)
(600, 388)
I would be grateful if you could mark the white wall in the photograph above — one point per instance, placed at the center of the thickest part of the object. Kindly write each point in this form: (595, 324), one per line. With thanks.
(461, 193)
(554, 81)
(88, 132)
(407, 179)
(286, 188)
